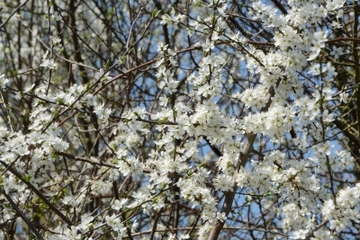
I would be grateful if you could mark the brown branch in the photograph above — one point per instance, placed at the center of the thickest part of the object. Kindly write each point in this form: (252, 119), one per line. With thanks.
(343, 39)
(230, 195)
(88, 160)
(37, 192)
(18, 211)
(13, 13)
(244, 155)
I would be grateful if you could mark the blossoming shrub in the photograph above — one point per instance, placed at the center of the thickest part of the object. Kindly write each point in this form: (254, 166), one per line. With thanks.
(179, 120)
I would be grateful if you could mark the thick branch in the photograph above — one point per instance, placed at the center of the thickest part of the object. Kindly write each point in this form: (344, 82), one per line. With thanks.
(230, 195)
(38, 193)
(244, 155)
(22, 215)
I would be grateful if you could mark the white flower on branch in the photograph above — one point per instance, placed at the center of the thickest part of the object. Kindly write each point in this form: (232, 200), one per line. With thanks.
(48, 63)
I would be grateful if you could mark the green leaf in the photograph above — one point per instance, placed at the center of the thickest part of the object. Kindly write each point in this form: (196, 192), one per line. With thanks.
(155, 13)
(107, 64)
